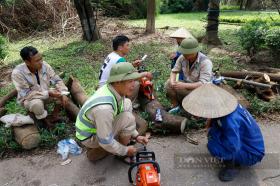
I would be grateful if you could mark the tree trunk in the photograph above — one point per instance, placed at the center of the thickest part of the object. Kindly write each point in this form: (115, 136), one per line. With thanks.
(27, 136)
(277, 5)
(241, 4)
(88, 20)
(8, 97)
(77, 92)
(72, 110)
(172, 123)
(151, 15)
(253, 5)
(141, 124)
(211, 37)
(269, 70)
(200, 5)
(243, 75)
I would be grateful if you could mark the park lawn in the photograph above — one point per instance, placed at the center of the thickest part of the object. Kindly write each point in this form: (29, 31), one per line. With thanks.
(195, 22)
(83, 60)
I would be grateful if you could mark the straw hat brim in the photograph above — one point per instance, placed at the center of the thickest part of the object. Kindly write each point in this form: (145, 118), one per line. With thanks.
(121, 77)
(180, 33)
(209, 101)
(188, 51)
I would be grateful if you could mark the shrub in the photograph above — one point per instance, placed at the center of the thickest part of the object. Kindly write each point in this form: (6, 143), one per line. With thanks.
(272, 38)
(269, 18)
(134, 9)
(175, 6)
(229, 7)
(252, 36)
(3, 47)
(256, 35)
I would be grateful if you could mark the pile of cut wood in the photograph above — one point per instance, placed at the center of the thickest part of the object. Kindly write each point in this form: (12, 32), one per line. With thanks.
(265, 82)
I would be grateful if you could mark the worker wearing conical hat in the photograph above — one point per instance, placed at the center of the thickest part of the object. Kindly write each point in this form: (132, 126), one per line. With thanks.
(197, 70)
(179, 35)
(234, 136)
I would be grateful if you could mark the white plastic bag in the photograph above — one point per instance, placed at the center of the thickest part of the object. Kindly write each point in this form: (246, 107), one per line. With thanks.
(16, 120)
(67, 146)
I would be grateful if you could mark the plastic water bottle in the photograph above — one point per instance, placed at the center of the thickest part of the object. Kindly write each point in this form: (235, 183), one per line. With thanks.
(158, 115)
(218, 80)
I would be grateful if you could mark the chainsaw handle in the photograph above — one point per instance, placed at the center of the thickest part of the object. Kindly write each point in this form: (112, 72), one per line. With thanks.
(155, 164)
(145, 154)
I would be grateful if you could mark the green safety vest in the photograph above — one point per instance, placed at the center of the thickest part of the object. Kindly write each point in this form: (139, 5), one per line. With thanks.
(85, 128)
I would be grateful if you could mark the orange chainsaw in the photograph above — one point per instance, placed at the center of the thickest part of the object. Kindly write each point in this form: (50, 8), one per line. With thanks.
(146, 85)
(147, 88)
(148, 170)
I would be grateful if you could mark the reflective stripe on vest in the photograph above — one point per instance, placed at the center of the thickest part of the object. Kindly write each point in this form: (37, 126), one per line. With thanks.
(85, 128)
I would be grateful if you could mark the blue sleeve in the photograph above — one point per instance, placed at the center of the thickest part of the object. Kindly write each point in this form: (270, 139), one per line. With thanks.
(121, 60)
(231, 135)
(178, 54)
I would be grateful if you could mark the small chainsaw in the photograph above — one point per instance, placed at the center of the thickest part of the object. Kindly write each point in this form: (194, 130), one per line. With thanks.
(148, 170)
(146, 85)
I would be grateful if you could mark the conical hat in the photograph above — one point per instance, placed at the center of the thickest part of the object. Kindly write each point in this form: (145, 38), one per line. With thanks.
(180, 33)
(209, 101)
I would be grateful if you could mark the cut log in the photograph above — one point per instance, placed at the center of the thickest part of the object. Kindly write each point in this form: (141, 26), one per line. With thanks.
(77, 92)
(72, 110)
(263, 79)
(2, 112)
(241, 99)
(8, 97)
(270, 70)
(265, 94)
(27, 136)
(249, 82)
(141, 124)
(244, 74)
(172, 123)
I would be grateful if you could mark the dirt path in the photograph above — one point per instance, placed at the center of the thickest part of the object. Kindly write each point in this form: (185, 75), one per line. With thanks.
(45, 169)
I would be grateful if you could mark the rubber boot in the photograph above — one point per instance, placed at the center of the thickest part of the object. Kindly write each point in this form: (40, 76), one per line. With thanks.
(229, 172)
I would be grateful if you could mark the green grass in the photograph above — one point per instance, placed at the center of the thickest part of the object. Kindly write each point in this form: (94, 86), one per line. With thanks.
(83, 60)
(192, 21)
(229, 7)
(195, 24)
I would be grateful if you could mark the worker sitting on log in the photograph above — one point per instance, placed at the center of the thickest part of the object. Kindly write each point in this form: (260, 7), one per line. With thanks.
(105, 123)
(179, 35)
(121, 49)
(32, 80)
(234, 136)
(197, 69)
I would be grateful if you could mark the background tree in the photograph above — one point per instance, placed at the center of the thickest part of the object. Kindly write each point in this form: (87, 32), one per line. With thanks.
(211, 36)
(88, 20)
(277, 5)
(151, 15)
(253, 5)
(200, 5)
(241, 3)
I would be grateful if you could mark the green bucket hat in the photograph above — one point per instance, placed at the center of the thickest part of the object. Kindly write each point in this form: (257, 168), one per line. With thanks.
(122, 72)
(189, 46)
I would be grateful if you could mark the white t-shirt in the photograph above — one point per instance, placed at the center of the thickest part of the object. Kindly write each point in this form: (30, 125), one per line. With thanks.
(110, 60)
